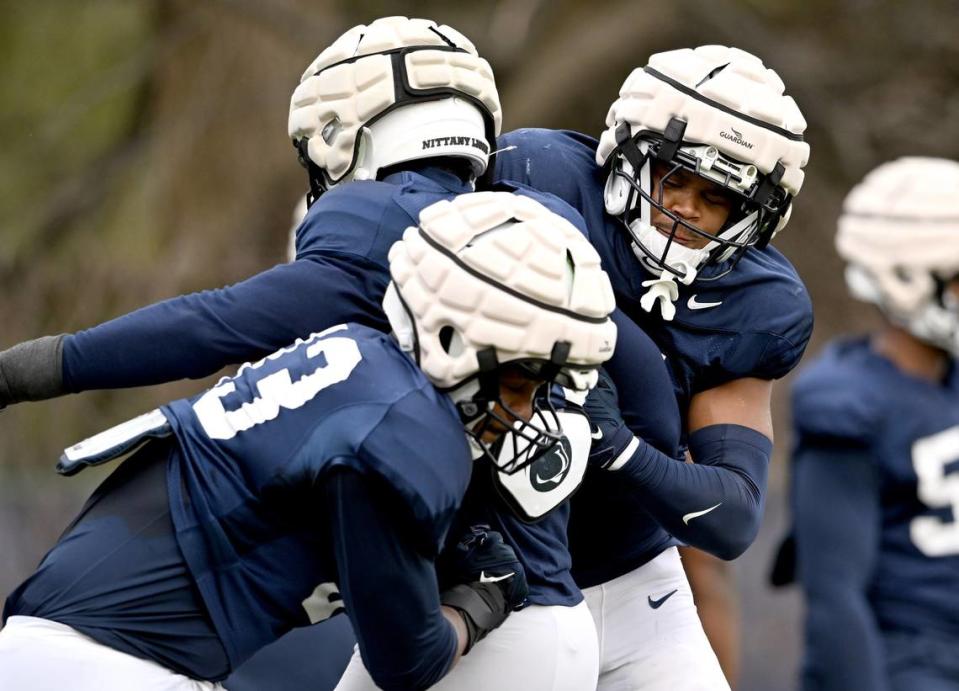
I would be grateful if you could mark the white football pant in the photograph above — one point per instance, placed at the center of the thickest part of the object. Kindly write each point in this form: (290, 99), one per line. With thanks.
(536, 649)
(650, 636)
(43, 655)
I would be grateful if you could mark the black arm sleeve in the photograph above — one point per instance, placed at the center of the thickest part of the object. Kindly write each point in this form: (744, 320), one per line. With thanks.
(389, 588)
(716, 503)
(837, 537)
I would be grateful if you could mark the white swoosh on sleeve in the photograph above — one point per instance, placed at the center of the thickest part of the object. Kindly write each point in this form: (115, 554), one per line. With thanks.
(696, 514)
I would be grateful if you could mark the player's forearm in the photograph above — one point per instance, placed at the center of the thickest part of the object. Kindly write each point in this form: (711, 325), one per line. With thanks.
(407, 640)
(196, 335)
(462, 634)
(717, 603)
(716, 503)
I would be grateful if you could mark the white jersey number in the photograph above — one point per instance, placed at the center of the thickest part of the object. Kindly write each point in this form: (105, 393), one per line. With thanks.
(934, 536)
(277, 390)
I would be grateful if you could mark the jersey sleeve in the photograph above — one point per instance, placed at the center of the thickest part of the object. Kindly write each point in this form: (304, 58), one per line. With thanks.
(195, 335)
(836, 403)
(419, 449)
(783, 351)
(837, 521)
(644, 389)
(389, 588)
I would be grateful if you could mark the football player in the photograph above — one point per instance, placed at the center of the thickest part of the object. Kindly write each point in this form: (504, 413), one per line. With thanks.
(392, 117)
(695, 173)
(875, 490)
(313, 465)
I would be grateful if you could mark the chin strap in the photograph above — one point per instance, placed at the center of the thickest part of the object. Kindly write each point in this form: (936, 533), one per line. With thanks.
(665, 292)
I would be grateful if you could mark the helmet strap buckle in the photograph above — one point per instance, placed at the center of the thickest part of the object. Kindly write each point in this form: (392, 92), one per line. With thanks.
(672, 140)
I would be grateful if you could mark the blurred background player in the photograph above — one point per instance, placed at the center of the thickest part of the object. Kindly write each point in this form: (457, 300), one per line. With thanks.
(309, 466)
(695, 173)
(875, 489)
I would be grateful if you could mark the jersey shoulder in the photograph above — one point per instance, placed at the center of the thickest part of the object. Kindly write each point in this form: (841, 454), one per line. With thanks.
(840, 394)
(560, 162)
(347, 397)
(550, 201)
(346, 219)
(765, 303)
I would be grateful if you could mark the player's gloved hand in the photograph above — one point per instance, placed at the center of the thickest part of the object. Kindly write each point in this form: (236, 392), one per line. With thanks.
(610, 435)
(490, 581)
(32, 371)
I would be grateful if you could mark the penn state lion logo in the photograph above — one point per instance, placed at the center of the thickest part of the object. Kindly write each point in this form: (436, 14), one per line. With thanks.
(550, 470)
(549, 481)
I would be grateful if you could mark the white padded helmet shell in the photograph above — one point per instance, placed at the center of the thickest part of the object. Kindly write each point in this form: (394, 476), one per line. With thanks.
(899, 234)
(728, 99)
(394, 64)
(498, 270)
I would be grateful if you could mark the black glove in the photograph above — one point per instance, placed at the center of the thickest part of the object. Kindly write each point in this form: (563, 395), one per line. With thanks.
(610, 434)
(490, 581)
(32, 371)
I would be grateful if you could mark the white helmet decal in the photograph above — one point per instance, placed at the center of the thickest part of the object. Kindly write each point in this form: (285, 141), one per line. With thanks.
(899, 233)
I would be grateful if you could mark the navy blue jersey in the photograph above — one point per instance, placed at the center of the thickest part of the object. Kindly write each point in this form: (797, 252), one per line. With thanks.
(254, 447)
(753, 322)
(307, 467)
(340, 274)
(118, 576)
(850, 397)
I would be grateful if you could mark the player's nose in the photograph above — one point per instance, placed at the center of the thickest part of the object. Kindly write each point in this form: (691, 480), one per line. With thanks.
(520, 401)
(683, 203)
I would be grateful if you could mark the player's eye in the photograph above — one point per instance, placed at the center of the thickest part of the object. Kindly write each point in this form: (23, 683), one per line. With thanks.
(717, 199)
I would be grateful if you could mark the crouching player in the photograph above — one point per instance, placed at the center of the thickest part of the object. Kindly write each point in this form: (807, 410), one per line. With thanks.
(340, 459)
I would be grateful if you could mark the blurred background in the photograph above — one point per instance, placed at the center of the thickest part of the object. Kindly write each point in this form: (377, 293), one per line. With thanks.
(143, 154)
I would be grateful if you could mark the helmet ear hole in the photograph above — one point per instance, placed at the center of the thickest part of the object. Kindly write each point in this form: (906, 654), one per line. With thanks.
(451, 341)
(446, 337)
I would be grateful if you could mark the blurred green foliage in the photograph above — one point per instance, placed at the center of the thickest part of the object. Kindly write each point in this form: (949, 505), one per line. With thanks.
(72, 74)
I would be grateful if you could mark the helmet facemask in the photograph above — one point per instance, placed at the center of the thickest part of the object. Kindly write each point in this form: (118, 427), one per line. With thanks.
(759, 203)
(479, 401)
(519, 442)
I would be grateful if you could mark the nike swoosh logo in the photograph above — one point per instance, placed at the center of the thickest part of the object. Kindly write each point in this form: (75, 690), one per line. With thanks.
(695, 304)
(598, 434)
(656, 604)
(494, 579)
(696, 514)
